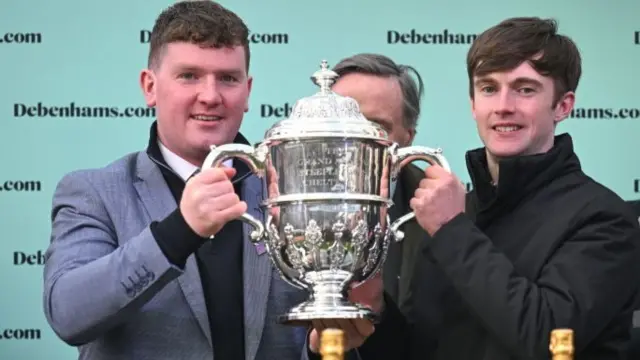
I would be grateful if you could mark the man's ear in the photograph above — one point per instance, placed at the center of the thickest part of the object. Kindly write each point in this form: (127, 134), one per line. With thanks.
(473, 107)
(564, 107)
(249, 85)
(148, 86)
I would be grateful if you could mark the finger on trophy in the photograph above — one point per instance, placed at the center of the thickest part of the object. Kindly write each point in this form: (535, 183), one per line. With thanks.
(355, 327)
(273, 192)
(382, 217)
(385, 194)
(318, 325)
(272, 181)
(330, 324)
(374, 281)
(275, 215)
(384, 182)
(362, 327)
(355, 330)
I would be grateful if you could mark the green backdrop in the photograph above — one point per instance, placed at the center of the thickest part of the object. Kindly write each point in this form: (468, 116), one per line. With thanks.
(84, 57)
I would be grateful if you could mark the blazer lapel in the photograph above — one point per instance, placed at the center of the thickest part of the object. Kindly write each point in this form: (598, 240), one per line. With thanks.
(256, 271)
(158, 201)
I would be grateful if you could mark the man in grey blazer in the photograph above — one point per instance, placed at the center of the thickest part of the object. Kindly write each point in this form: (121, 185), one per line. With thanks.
(130, 272)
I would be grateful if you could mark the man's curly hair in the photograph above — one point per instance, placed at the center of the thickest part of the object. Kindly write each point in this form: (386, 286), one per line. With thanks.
(205, 23)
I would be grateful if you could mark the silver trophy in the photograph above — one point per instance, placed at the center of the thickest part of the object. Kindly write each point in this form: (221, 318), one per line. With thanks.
(327, 171)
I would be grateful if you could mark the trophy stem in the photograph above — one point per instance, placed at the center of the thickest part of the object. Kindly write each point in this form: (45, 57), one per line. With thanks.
(328, 301)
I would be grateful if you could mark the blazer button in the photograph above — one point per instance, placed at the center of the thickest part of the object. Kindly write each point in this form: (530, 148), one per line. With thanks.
(129, 290)
(137, 287)
(142, 280)
(149, 275)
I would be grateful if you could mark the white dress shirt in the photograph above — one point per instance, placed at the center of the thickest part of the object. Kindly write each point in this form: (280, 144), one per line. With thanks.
(181, 166)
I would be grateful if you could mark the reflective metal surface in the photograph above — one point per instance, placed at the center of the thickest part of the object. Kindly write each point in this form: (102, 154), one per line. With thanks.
(327, 170)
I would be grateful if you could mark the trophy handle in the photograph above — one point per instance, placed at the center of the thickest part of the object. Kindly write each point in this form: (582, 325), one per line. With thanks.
(402, 156)
(255, 158)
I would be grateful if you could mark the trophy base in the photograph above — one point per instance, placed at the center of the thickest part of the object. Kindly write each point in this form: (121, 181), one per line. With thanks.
(328, 312)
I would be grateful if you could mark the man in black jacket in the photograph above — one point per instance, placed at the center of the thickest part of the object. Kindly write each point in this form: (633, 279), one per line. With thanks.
(634, 351)
(538, 244)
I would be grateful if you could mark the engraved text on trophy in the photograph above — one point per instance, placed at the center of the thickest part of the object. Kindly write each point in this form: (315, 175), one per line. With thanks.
(322, 167)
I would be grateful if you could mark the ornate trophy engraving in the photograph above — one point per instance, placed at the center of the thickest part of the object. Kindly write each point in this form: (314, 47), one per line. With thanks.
(327, 172)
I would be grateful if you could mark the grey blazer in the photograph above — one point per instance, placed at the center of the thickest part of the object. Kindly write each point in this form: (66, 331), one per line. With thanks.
(110, 291)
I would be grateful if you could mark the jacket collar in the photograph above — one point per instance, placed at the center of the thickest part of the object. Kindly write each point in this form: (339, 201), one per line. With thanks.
(520, 175)
(180, 167)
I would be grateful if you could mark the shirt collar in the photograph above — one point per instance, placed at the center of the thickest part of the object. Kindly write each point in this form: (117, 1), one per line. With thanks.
(181, 166)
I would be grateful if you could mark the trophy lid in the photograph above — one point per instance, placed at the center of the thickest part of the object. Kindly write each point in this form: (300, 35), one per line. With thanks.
(326, 114)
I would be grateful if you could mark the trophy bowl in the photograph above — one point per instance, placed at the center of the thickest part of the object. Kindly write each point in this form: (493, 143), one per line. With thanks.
(327, 172)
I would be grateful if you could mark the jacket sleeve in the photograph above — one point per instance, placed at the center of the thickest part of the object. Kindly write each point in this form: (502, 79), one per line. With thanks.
(583, 286)
(92, 280)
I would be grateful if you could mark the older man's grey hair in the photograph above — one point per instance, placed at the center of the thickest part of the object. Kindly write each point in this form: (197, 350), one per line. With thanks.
(380, 65)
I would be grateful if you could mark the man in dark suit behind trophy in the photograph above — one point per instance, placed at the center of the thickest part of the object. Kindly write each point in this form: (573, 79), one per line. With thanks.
(388, 94)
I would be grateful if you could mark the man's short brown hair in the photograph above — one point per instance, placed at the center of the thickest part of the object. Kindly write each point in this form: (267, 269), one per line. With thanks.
(205, 23)
(505, 46)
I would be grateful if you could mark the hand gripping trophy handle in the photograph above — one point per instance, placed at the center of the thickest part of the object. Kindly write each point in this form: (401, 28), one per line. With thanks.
(255, 159)
(402, 156)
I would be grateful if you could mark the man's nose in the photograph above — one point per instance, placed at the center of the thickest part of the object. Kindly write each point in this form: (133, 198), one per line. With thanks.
(506, 103)
(210, 93)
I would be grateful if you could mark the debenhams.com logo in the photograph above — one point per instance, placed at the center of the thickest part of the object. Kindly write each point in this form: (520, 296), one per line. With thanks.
(445, 37)
(73, 110)
(20, 38)
(272, 111)
(21, 258)
(254, 38)
(637, 38)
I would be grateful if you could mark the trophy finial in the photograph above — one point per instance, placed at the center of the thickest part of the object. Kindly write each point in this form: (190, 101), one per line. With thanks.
(324, 77)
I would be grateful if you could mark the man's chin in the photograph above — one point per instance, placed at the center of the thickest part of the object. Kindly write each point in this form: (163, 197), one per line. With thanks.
(206, 142)
(505, 152)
